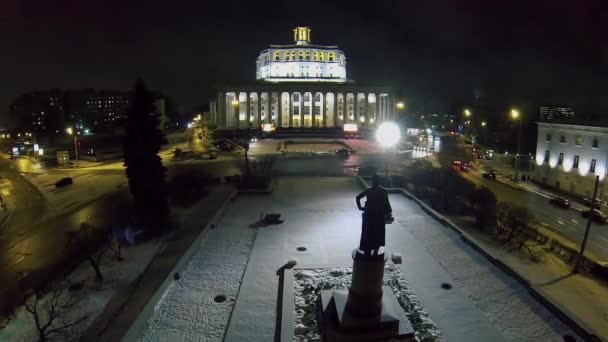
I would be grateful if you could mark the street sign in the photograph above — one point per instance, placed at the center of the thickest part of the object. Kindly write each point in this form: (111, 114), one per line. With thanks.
(63, 157)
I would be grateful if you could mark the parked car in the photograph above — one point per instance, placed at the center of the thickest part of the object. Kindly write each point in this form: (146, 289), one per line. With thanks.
(560, 202)
(597, 205)
(489, 175)
(596, 215)
(465, 167)
(64, 182)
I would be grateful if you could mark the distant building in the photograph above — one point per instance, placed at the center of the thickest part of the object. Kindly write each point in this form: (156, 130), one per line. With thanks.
(53, 110)
(555, 113)
(39, 111)
(569, 156)
(301, 85)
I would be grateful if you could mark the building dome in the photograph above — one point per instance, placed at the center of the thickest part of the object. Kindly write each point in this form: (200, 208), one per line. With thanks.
(301, 61)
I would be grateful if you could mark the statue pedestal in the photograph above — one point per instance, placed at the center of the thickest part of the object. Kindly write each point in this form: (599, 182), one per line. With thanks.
(367, 311)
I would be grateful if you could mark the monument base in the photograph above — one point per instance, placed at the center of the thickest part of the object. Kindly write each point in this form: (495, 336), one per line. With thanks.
(339, 324)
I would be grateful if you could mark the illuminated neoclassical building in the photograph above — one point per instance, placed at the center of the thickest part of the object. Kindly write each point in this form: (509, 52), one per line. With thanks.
(570, 155)
(301, 85)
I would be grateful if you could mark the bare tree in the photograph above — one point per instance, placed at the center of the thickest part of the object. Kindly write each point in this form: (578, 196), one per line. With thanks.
(50, 313)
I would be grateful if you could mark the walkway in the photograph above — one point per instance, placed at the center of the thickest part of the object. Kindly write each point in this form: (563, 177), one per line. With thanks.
(483, 305)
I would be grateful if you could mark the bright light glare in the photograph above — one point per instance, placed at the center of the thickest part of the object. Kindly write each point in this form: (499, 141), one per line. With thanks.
(388, 134)
(467, 112)
(189, 124)
(69, 130)
(350, 127)
(514, 113)
(400, 105)
(235, 103)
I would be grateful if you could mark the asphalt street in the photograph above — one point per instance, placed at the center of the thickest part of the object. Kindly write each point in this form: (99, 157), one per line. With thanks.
(567, 222)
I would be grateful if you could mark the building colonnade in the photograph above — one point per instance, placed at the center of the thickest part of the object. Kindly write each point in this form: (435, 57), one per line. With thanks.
(248, 109)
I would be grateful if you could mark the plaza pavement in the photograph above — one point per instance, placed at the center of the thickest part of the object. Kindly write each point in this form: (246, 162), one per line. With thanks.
(320, 214)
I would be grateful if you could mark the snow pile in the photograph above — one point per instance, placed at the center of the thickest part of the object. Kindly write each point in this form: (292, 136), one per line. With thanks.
(308, 283)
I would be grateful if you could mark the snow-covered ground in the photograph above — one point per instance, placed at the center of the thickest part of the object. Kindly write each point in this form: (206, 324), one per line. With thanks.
(197, 306)
(309, 282)
(92, 298)
(482, 304)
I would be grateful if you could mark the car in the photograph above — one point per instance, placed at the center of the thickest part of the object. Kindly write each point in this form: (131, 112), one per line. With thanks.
(224, 146)
(560, 202)
(343, 152)
(596, 215)
(597, 204)
(254, 139)
(456, 163)
(489, 175)
(64, 182)
(465, 168)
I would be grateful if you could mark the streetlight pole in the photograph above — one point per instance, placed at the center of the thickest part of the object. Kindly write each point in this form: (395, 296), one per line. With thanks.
(76, 150)
(579, 259)
(235, 115)
(515, 115)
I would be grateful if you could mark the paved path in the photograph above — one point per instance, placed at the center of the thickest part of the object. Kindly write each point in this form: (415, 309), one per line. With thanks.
(320, 214)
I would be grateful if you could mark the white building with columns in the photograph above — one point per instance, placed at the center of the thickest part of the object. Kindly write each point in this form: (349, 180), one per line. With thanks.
(569, 156)
(301, 85)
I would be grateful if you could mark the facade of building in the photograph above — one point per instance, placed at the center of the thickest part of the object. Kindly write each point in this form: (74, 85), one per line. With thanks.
(555, 113)
(569, 157)
(52, 110)
(39, 111)
(301, 85)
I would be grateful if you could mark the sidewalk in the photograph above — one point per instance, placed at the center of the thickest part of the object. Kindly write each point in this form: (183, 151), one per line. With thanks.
(124, 308)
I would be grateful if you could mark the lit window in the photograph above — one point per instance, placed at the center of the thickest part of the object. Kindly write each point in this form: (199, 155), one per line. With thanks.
(547, 153)
(596, 143)
(321, 55)
(316, 56)
(562, 139)
(277, 55)
(561, 159)
(307, 55)
(331, 56)
(575, 164)
(579, 140)
(592, 166)
(301, 54)
(548, 138)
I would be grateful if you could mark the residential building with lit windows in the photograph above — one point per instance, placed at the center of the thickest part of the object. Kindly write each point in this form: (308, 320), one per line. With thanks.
(301, 85)
(569, 157)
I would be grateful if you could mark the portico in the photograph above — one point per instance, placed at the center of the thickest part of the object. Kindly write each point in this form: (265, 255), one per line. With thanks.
(301, 85)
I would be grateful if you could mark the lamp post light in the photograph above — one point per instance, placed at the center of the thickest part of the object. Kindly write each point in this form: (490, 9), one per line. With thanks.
(516, 116)
(70, 131)
(388, 135)
(235, 110)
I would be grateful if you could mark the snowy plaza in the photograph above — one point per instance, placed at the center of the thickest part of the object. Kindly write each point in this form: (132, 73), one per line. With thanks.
(229, 288)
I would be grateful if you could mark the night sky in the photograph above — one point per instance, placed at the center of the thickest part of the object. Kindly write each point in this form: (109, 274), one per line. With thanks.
(439, 55)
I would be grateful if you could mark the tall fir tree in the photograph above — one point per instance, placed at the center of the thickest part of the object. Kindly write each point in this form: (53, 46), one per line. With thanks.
(144, 167)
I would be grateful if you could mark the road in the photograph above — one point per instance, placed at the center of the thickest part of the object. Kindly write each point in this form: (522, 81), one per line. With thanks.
(567, 222)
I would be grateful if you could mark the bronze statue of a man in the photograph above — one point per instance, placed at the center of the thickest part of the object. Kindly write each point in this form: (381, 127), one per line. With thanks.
(377, 209)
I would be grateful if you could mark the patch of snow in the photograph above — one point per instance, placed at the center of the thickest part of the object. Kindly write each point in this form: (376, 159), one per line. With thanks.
(91, 299)
(308, 283)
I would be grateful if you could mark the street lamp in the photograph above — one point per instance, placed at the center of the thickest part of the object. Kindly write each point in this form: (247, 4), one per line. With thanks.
(70, 131)
(400, 105)
(235, 111)
(483, 124)
(467, 113)
(515, 115)
(388, 135)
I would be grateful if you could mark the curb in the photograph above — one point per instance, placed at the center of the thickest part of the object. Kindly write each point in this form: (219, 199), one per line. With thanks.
(141, 322)
(580, 328)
